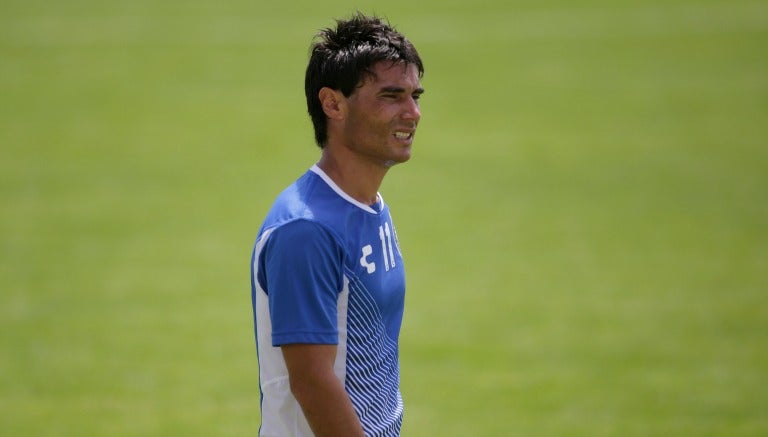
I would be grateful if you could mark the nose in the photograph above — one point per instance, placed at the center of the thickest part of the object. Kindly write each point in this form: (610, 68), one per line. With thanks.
(412, 110)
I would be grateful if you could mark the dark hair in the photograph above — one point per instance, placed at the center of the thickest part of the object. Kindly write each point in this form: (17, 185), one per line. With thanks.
(340, 59)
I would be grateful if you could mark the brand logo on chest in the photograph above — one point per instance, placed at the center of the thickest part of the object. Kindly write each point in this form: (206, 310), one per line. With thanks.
(387, 251)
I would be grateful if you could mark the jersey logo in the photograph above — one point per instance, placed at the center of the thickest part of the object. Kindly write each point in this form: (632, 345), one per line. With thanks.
(370, 267)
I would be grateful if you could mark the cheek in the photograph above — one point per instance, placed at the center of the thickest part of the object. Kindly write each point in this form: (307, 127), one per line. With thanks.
(374, 124)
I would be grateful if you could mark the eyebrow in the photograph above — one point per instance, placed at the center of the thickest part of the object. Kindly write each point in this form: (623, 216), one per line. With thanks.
(398, 90)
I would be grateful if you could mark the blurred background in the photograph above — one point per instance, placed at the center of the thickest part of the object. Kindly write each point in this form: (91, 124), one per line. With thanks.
(585, 218)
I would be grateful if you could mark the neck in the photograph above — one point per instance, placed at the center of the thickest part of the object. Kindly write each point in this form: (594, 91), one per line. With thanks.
(360, 180)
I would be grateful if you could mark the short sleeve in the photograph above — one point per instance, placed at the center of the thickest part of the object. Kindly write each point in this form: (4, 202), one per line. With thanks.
(302, 265)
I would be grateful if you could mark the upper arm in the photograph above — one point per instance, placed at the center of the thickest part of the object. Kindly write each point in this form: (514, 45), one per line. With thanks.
(321, 394)
(302, 266)
(309, 360)
(310, 373)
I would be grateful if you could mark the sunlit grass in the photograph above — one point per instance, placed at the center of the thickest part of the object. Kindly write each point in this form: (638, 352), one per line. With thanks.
(584, 218)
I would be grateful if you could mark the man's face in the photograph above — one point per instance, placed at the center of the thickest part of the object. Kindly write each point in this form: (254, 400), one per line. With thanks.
(383, 114)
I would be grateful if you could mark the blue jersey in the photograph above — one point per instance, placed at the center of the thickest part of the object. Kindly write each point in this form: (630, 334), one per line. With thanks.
(327, 269)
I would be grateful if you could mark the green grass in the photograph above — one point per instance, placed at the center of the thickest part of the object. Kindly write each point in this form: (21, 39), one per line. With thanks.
(585, 218)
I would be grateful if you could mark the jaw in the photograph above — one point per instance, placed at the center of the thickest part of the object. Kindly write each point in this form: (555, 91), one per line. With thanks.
(401, 153)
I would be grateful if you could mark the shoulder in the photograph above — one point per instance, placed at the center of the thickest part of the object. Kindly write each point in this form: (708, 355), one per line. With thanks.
(295, 201)
(297, 251)
(300, 242)
(303, 233)
(308, 198)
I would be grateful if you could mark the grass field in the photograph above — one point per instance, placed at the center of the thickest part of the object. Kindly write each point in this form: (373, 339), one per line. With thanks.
(585, 218)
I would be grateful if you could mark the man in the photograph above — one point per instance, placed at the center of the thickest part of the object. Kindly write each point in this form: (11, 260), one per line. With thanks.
(327, 275)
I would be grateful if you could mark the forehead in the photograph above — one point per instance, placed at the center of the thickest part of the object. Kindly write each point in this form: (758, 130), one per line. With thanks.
(388, 74)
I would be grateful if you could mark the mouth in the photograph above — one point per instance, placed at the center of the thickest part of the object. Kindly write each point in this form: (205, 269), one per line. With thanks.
(404, 135)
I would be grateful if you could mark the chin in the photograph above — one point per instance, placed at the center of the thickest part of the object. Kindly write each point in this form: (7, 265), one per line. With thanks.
(398, 160)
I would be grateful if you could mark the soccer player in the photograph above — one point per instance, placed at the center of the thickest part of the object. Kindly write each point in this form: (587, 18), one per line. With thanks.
(327, 275)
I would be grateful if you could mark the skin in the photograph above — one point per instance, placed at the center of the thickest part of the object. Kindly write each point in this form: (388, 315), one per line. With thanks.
(368, 133)
(322, 397)
(362, 143)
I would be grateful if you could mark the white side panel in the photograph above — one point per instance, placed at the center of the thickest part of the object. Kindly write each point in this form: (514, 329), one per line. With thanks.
(281, 413)
(340, 365)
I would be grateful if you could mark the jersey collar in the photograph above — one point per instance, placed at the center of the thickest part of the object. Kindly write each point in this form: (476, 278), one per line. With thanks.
(372, 209)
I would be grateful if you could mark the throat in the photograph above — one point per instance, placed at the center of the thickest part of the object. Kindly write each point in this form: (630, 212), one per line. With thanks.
(359, 180)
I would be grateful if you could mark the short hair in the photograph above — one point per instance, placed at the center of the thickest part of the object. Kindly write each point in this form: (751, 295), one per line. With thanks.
(342, 58)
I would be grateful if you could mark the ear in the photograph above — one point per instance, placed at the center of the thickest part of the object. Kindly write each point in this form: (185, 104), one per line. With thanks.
(333, 103)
